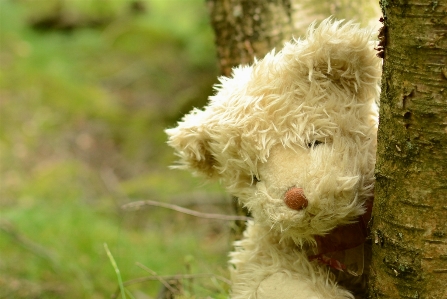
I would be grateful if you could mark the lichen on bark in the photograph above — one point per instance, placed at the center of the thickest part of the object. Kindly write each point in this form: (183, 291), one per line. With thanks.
(248, 29)
(409, 217)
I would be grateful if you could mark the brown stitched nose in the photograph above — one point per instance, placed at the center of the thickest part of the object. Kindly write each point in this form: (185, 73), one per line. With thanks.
(295, 198)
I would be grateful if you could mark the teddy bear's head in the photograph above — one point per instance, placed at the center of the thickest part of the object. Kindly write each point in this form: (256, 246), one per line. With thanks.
(293, 136)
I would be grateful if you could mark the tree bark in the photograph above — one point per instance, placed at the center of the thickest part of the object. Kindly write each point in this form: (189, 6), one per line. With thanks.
(247, 29)
(409, 228)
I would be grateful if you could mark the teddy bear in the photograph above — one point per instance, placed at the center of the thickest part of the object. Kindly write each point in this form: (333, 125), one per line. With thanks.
(293, 137)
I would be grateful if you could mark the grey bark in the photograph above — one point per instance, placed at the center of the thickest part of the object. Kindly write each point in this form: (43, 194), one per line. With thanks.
(248, 29)
(410, 211)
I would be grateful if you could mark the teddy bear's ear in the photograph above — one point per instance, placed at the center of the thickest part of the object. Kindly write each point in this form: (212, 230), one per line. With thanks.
(343, 53)
(191, 140)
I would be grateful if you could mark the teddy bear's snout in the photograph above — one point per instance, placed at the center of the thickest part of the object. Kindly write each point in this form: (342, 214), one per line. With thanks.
(295, 199)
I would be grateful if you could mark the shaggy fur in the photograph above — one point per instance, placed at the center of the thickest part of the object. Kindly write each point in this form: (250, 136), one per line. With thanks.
(306, 117)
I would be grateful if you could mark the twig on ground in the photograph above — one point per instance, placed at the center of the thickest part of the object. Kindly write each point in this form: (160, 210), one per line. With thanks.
(37, 249)
(141, 203)
(170, 277)
(163, 281)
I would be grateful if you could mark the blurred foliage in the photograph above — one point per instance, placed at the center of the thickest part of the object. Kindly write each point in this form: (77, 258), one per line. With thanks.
(86, 89)
(365, 12)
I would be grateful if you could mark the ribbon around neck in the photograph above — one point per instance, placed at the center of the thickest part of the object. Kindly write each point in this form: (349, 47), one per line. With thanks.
(342, 248)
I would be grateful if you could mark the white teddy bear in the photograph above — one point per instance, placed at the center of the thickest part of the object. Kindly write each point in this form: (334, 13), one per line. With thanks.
(294, 138)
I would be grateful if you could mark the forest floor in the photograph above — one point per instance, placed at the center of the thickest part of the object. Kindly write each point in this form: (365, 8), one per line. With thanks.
(85, 95)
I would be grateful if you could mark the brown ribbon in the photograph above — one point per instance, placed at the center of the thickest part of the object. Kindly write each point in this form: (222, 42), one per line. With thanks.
(342, 248)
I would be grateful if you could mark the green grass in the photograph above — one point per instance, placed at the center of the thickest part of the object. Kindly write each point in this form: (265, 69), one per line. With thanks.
(71, 261)
(81, 133)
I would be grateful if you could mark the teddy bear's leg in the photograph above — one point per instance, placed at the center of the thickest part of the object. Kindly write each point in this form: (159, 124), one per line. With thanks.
(283, 286)
(266, 268)
(280, 286)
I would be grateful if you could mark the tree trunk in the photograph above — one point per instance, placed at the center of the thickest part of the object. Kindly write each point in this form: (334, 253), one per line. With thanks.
(247, 29)
(409, 228)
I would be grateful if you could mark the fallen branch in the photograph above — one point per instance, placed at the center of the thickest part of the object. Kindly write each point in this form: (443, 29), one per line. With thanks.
(37, 249)
(169, 277)
(141, 203)
(163, 281)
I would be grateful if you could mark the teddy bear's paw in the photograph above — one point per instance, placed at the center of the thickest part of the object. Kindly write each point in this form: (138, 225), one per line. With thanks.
(283, 286)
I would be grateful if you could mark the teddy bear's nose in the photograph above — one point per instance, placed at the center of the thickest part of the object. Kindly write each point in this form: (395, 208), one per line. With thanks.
(295, 198)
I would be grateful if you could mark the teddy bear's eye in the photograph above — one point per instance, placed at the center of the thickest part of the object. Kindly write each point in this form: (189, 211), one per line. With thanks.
(314, 143)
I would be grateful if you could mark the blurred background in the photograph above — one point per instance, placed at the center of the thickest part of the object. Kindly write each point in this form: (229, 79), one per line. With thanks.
(86, 89)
